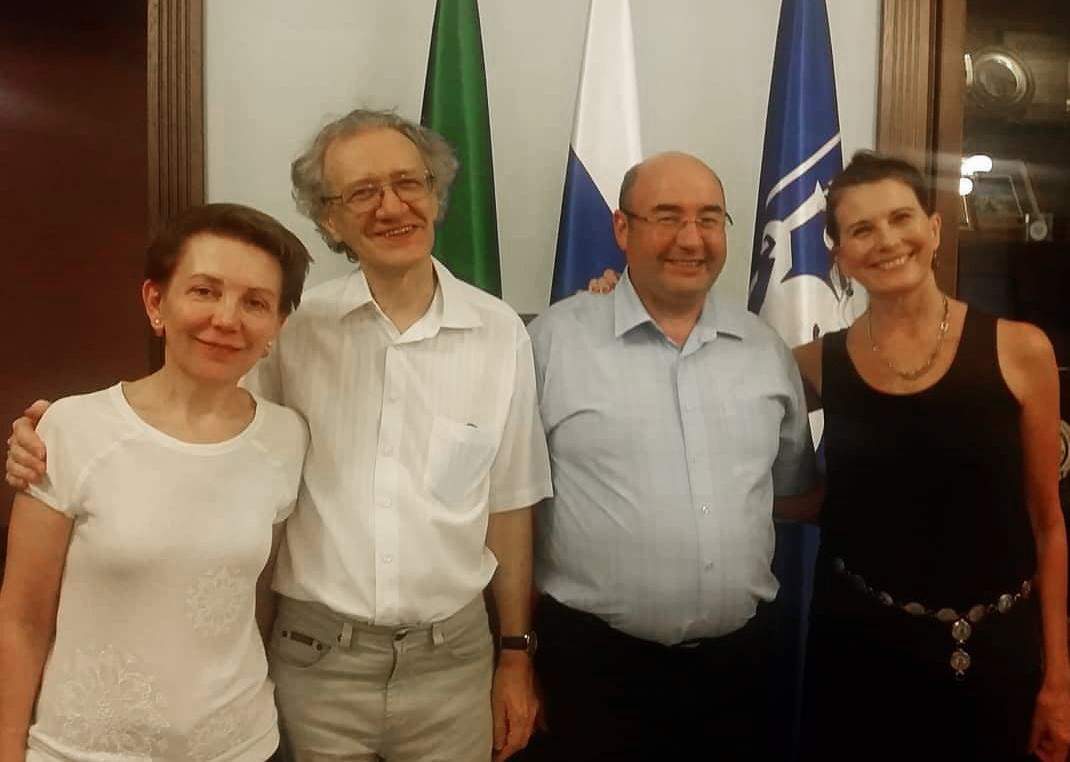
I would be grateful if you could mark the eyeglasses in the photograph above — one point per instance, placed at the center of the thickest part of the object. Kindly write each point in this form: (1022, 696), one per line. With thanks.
(368, 196)
(708, 222)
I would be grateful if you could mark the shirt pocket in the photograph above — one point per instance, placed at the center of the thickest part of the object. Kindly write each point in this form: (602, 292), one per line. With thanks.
(459, 456)
(752, 426)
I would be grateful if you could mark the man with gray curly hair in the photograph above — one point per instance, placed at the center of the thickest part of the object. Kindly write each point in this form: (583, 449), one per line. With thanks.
(427, 454)
(307, 171)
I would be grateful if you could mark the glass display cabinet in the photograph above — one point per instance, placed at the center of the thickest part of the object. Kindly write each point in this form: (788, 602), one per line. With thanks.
(978, 93)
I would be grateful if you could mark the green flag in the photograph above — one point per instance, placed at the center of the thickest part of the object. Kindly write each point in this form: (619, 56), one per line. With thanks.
(455, 106)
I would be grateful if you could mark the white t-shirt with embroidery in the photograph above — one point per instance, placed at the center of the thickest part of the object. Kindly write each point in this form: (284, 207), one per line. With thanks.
(157, 654)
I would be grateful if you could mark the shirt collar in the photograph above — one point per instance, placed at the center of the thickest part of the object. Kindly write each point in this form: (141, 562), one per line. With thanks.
(457, 308)
(629, 312)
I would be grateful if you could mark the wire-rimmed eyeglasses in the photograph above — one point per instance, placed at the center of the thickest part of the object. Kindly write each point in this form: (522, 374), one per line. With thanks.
(367, 196)
(707, 222)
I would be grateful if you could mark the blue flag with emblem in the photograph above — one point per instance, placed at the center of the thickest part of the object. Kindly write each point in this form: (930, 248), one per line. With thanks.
(792, 285)
(604, 145)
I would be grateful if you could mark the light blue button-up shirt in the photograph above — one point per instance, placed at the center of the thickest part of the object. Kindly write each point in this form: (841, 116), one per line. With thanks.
(665, 462)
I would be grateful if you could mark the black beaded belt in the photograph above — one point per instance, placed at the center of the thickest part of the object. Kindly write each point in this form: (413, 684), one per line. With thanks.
(962, 624)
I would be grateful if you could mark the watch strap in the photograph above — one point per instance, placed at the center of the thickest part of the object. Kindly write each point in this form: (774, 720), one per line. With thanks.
(526, 642)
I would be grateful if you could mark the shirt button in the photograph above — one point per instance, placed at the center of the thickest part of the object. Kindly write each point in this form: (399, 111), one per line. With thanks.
(387, 558)
(705, 510)
(709, 566)
(384, 501)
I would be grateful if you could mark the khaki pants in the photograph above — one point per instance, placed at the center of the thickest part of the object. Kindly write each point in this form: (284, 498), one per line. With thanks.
(351, 691)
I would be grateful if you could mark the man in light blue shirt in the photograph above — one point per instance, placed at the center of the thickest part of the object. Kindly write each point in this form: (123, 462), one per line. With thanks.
(674, 419)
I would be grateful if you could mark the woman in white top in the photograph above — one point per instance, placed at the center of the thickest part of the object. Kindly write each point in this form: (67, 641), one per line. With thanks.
(135, 567)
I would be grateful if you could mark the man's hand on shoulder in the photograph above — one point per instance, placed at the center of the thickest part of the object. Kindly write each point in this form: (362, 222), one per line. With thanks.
(605, 283)
(25, 463)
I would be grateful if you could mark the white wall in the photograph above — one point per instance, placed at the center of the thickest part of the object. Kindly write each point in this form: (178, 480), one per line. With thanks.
(276, 69)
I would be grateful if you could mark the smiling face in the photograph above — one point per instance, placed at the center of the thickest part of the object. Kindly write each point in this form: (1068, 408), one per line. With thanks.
(667, 265)
(219, 309)
(887, 241)
(395, 235)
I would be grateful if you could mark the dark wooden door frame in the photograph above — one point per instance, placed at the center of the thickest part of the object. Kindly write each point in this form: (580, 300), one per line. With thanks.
(919, 104)
(175, 116)
(175, 108)
(175, 111)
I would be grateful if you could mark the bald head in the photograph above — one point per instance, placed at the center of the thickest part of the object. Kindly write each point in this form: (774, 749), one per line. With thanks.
(671, 228)
(654, 166)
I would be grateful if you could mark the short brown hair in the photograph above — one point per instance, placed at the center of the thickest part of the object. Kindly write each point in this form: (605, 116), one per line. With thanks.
(239, 223)
(868, 167)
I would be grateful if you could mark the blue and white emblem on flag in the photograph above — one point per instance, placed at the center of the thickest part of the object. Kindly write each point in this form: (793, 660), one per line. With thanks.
(605, 144)
(792, 286)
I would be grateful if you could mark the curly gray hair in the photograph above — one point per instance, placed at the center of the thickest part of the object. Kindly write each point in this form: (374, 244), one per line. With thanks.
(306, 172)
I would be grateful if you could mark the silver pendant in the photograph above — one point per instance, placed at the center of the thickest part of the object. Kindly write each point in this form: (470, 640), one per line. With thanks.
(947, 616)
(1004, 603)
(960, 662)
(961, 631)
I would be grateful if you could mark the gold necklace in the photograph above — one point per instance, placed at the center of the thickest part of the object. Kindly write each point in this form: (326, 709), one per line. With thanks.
(921, 370)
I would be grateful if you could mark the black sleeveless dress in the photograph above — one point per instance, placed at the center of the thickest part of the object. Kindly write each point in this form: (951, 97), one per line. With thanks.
(925, 506)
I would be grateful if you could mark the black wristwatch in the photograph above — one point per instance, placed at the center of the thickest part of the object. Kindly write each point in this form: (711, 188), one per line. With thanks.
(529, 641)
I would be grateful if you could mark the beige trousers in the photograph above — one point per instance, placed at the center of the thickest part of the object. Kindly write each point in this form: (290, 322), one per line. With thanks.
(351, 691)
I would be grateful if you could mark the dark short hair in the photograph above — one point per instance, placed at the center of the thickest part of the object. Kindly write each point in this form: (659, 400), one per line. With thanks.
(868, 167)
(238, 223)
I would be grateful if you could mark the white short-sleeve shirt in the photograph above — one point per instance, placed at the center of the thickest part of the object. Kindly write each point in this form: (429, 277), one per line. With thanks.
(157, 653)
(416, 438)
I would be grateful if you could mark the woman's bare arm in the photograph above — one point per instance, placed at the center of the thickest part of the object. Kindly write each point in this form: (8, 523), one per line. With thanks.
(37, 551)
(1027, 361)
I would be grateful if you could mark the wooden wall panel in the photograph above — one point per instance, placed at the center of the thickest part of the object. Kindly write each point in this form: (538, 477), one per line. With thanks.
(904, 94)
(102, 139)
(919, 104)
(175, 107)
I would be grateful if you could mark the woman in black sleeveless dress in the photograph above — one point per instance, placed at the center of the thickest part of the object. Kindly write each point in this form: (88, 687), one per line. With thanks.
(938, 628)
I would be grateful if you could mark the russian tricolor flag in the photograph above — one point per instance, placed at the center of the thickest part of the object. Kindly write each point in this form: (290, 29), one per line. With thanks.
(605, 144)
